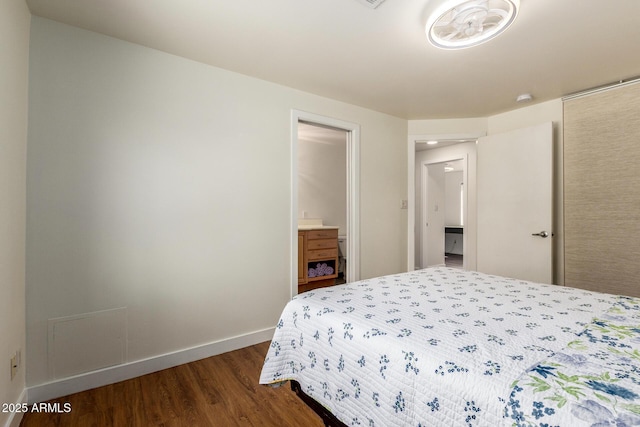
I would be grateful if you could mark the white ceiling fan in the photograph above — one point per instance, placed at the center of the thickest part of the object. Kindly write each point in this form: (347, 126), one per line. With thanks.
(371, 3)
(457, 24)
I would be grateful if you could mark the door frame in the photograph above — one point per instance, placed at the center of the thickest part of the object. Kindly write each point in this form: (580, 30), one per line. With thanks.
(411, 190)
(424, 166)
(353, 191)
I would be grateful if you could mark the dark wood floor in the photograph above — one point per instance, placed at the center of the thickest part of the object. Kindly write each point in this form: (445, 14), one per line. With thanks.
(453, 260)
(218, 391)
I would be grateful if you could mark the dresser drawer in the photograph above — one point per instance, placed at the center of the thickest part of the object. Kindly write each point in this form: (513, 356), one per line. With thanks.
(322, 254)
(322, 234)
(322, 244)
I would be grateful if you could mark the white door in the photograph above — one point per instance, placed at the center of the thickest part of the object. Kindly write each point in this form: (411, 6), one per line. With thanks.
(515, 211)
(433, 214)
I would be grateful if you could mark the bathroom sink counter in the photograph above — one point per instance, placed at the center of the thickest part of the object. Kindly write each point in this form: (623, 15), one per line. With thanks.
(317, 227)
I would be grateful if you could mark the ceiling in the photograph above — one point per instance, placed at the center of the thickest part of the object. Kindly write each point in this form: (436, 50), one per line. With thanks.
(380, 58)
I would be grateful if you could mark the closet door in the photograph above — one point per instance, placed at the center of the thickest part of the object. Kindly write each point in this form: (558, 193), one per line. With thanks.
(602, 191)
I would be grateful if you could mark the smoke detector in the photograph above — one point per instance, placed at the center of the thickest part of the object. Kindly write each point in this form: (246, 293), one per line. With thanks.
(371, 3)
(457, 24)
(524, 97)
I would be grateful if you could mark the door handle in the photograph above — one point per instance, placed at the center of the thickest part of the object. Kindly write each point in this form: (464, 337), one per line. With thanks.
(542, 234)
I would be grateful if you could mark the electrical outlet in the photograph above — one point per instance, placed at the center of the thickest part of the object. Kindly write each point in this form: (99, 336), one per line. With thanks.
(404, 204)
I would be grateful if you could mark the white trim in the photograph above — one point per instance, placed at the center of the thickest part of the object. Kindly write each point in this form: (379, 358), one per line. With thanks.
(353, 192)
(411, 203)
(353, 204)
(15, 418)
(424, 207)
(82, 382)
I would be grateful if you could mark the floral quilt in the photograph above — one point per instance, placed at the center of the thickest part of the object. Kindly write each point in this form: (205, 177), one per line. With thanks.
(448, 347)
(593, 381)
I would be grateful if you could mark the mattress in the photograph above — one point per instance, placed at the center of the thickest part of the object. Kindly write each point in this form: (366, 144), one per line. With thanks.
(448, 347)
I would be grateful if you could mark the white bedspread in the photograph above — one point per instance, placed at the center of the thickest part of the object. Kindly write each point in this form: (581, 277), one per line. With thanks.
(447, 347)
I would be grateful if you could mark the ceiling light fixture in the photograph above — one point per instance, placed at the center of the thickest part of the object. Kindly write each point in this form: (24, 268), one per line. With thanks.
(371, 3)
(458, 24)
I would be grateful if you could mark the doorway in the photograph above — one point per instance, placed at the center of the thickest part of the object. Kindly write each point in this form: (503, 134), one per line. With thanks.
(441, 209)
(351, 134)
(480, 207)
(450, 148)
(322, 184)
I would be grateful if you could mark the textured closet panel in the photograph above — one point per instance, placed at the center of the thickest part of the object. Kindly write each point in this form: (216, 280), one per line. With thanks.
(602, 191)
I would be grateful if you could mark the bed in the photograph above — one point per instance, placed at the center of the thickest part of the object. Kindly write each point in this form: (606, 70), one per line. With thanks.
(448, 347)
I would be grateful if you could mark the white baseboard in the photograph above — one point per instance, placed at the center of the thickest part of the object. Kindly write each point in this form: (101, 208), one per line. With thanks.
(114, 374)
(16, 417)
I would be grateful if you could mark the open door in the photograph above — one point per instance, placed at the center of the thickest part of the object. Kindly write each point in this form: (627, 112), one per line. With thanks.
(515, 210)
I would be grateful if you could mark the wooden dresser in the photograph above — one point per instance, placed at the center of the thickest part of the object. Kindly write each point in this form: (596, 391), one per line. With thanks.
(317, 258)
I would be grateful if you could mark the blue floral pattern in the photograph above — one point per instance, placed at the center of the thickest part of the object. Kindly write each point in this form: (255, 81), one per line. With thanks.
(450, 347)
(593, 381)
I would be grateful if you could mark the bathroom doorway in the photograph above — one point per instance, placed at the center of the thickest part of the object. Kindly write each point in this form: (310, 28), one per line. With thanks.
(322, 183)
(350, 132)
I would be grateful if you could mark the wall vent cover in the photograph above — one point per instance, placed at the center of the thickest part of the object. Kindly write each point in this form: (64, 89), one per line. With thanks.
(371, 3)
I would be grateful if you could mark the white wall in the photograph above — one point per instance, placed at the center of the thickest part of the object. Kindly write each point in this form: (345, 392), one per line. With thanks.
(472, 126)
(14, 56)
(322, 175)
(452, 186)
(162, 186)
(433, 221)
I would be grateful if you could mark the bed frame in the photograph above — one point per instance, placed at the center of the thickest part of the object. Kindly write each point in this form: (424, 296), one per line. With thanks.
(328, 418)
